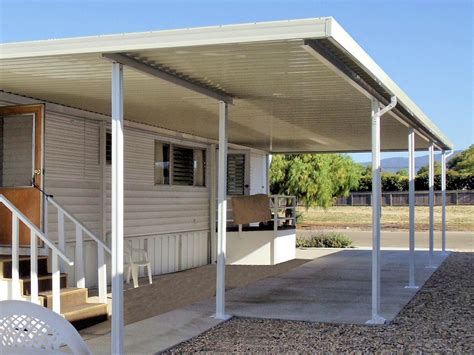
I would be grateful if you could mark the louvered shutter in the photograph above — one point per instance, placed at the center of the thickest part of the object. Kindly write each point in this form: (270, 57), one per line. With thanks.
(183, 166)
(236, 174)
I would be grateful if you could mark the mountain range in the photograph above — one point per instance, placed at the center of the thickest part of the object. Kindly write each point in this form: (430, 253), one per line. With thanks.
(399, 163)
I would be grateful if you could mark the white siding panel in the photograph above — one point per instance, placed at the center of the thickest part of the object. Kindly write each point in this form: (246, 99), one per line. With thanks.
(72, 171)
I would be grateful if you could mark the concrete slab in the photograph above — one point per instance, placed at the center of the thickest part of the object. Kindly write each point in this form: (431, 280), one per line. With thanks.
(334, 288)
(158, 333)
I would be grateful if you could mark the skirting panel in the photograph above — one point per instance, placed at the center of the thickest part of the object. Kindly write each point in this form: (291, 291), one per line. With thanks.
(167, 253)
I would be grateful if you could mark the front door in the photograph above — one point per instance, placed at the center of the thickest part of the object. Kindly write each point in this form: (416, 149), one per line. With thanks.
(21, 141)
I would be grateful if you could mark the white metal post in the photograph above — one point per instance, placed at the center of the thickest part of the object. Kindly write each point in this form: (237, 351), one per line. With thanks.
(411, 202)
(15, 257)
(268, 161)
(56, 282)
(376, 213)
(79, 259)
(431, 203)
(61, 238)
(222, 212)
(101, 262)
(443, 201)
(33, 268)
(212, 204)
(117, 209)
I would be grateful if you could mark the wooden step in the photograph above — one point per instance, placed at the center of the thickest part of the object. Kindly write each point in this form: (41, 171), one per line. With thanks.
(45, 283)
(85, 315)
(24, 266)
(70, 296)
(74, 305)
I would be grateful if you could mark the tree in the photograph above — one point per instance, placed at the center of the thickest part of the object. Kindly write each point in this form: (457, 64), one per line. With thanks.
(463, 162)
(315, 179)
(402, 172)
(425, 169)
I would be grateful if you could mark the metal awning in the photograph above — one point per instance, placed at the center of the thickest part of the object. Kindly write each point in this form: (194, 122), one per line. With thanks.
(297, 86)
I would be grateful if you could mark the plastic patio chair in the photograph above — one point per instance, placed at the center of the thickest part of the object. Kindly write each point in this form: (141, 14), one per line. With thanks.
(134, 264)
(26, 327)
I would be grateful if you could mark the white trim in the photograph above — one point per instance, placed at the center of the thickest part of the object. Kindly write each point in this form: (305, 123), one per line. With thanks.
(199, 36)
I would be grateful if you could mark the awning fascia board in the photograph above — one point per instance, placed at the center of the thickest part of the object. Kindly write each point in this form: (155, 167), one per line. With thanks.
(164, 75)
(141, 41)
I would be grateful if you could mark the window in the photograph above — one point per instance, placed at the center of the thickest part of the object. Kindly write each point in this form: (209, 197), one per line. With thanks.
(176, 165)
(108, 148)
(162, 163)
(236, 174)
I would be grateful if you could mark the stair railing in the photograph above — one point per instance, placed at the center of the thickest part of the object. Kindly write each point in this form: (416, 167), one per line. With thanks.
(57, 253)
(81, 229)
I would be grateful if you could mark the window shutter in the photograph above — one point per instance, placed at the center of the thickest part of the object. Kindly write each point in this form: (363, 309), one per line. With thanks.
(236, 174)
(183, 166)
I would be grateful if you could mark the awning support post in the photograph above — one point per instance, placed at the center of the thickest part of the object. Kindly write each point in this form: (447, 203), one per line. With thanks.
(376, 212)
(444, 157)
(376, 114)
(411, 200)
(431, 204)
(117, 209)
(222, 212)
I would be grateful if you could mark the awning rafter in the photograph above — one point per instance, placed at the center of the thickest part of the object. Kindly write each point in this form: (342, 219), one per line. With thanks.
(155, 71)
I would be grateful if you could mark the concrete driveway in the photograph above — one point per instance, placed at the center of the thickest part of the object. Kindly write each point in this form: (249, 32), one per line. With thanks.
(334, 286)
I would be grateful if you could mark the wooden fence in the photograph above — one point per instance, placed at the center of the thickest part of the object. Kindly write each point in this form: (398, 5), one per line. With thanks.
(461, 197)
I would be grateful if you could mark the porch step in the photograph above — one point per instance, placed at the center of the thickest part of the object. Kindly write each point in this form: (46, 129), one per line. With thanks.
(74, 305)
(24, 266)
(70, 296)
(75, 308)
(85, 315)
(45, 283)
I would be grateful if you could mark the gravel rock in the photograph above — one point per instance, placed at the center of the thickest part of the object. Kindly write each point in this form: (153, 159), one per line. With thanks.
(439, 319)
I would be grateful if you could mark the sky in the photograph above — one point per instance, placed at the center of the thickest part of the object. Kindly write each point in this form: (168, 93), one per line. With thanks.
(425, 46)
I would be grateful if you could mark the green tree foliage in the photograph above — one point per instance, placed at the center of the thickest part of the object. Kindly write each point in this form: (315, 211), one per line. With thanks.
(316, 179)
(425, 169)
(390, 182)
(463, 162)
(402, 172)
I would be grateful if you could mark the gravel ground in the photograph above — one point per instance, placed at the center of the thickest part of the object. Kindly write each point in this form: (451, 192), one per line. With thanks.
(439, 319)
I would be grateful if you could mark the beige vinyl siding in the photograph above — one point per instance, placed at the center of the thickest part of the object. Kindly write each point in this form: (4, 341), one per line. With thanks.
(156, 209)
(72, 171)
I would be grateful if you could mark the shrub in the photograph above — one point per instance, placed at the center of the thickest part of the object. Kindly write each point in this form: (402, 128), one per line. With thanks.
(323, 240)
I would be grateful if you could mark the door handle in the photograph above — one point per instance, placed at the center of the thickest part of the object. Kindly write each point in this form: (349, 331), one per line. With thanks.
(37, 171)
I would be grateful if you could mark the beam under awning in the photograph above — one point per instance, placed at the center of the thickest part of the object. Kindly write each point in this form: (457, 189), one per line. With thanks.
(169, 77)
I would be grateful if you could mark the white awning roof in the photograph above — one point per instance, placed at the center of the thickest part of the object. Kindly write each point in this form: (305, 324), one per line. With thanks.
(297, 86)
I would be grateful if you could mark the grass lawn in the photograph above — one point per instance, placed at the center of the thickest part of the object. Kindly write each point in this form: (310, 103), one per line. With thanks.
(458, 218)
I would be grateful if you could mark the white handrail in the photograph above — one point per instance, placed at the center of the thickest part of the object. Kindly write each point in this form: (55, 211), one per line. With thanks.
(35, 229)
(79, 272)
(79, 223)
(57, 253)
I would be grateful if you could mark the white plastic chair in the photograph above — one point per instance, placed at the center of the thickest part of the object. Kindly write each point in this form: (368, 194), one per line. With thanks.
(134, 264)
(26, 327)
